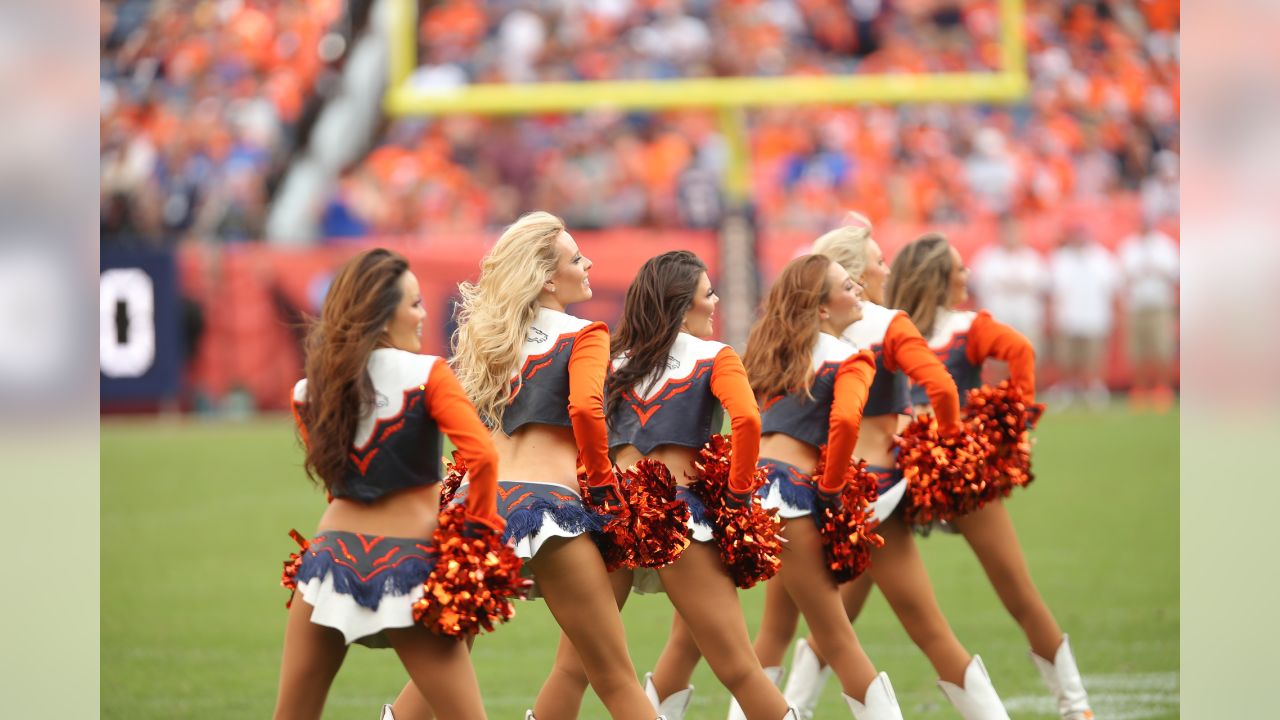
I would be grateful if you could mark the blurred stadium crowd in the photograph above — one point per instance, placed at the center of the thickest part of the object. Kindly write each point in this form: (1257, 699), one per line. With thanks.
(203, 100)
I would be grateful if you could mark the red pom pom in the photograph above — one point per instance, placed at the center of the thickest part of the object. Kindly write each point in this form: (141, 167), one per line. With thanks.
(453, 473)
(289, 578)
(848, 536)
(474, 581)
(617, 541)
(1001, 416)
(659, 522)
(945, 475)
(747, 536)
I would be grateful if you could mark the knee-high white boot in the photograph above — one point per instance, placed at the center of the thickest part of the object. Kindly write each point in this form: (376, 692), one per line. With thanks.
(879, 704)
(807, 679)
(977, 700)
(386, 713)
(1063, 678)
(735, 710)
(673, 706)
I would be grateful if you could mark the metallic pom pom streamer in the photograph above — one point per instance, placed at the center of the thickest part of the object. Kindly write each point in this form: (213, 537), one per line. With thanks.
(945, 476)
(747, 537)
(289, 578)
(659, 522)
(848, 536)
(453, 473)
(474, 581)
(616, 539)
(1003, 418)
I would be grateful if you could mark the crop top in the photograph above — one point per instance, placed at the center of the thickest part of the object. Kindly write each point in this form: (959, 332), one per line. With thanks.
(561, 382)
(899, 346)
(963, 340)
(841, 381)
(397, 445)
(684, 405)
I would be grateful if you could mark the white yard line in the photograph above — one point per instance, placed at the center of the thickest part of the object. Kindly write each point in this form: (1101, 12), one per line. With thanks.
(1114, 697)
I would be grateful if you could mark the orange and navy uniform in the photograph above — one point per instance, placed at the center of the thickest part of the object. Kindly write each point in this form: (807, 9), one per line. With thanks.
(898, 346)
(684, 405)
(963, 340)
(397, 444)
(831, 412)
(563, 365)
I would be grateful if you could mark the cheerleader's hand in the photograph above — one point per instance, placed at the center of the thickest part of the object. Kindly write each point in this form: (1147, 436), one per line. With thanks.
(832, 500)
(1035, 411)
(607, 498)
(738, 499)
(476, 527)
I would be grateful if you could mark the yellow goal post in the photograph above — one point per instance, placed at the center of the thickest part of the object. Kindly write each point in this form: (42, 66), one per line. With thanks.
(727, 96)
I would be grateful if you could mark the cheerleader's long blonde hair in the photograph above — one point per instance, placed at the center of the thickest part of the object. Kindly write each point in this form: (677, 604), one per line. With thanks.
(496, 312)
(847, 245)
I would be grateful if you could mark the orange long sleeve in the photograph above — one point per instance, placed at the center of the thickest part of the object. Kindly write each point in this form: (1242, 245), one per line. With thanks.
(457, 419)
(729, 385)
(849, 397)
(588, 365)
(906, 350)
(989, 338)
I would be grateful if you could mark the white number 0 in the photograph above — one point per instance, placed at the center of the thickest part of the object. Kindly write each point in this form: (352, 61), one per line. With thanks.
(133, 354)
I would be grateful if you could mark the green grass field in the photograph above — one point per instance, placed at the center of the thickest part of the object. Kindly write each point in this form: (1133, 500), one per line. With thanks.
(194, 523)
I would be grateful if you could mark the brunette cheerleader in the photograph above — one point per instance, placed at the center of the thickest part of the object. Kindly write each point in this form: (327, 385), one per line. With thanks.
(370, 412)
(666, 397)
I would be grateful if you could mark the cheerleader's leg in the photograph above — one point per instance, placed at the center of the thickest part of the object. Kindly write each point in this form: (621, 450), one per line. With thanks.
(899, 572)
(561, 695)
(679, 657)
(779, 623)
(411, 705)
(702, 591)
(441, 669)
(312, 655)
(807, 580)
(809, 671)
(572, 579)
(853, 595)
(990, 533)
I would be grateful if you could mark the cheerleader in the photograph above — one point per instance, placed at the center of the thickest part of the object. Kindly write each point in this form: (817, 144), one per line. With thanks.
(814, 388)
(930, 282)
(368, 413)
(669, 389)
(896, 567)
(536, 376)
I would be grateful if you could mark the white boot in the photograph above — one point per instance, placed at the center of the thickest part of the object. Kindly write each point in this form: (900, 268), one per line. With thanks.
(735, 710)
(528, 715)
(386, 713)
(977, 700)
(808, 678)
(879, 704)
(674, 706)
(1063, 679)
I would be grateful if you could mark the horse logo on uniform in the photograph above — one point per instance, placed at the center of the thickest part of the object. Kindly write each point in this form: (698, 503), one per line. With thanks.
(535, 335)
